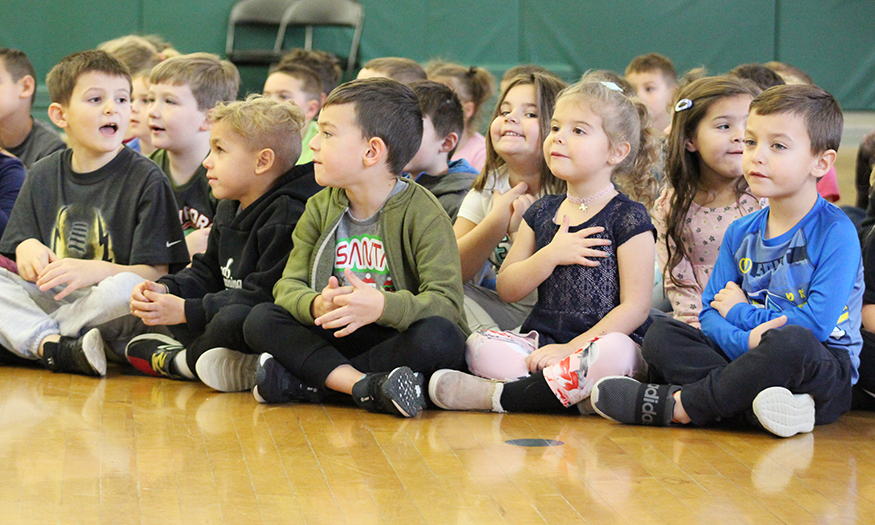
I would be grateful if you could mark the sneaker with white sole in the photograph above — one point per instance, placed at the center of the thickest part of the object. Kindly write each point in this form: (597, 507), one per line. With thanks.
(227, 370)
(398, 392)
(784, 413)
(153, 354)
(84, 355)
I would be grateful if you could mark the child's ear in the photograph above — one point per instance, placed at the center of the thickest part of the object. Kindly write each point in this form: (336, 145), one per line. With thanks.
(311, 110)
(28, 85)
(266, 160)
(449, 142)
(375, 152)
(824, 162)
(207, 124)
(56, 113)
(468, 110)
(618, 153)
(688, 144)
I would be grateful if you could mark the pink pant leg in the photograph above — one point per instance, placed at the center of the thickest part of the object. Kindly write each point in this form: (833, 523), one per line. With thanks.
(499, 355)
(614, 354)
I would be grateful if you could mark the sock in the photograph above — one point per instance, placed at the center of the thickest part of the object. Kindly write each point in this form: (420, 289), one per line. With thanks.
(180, 366)
(530, 394)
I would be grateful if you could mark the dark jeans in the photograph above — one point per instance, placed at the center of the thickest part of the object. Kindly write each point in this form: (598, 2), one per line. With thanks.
(311, 353)
(225, 329)
(716, 388)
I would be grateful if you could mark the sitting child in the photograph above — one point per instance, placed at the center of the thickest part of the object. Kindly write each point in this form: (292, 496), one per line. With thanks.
(381, 250)
(11, 179)
(781, 312)
(442, 124)
(140, 56)
(301, 85)
(251, 168)
(655, 80)
(20, 134)
(588, 252)
(475, 87)
(182, 90)
(90, 223)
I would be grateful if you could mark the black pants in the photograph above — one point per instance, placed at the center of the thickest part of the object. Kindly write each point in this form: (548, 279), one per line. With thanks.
(866, 383)
(225, 329)
(311, 353)
(716, 388)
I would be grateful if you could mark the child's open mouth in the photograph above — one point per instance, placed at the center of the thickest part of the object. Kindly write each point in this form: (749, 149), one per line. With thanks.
(109, 129)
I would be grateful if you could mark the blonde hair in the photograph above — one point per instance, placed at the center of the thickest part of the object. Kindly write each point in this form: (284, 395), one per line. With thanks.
(547, 87)
(135, 52)
(210, 78)
(625, 119)
(265, 124)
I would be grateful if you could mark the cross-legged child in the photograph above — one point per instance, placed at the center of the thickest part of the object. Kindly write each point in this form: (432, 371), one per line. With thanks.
(588, 252)
(705, 188)
(22, 135)
(182, 90)
(442, 124)
(90, 223)
(372, 292)
(251, 168)
(781, 311)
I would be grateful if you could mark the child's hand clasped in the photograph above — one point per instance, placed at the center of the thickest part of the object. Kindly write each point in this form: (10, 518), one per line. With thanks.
(360, 306)
(32, 257)
(578, 247)
(729, 296)
(151, 303)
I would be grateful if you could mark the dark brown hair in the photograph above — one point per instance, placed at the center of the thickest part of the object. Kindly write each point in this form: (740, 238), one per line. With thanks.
(819, 110)
(18, 66)
(654, 62)
(440, 103)
(323, 63)
(311, 84)
(386, 109)
(401, 69)
(682, 167)
(211, 79)
(472, 84)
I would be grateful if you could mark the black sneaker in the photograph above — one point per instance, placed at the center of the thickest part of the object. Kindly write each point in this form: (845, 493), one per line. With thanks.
(84, 355)
(153, 355)
(398, 392)
(275, 384)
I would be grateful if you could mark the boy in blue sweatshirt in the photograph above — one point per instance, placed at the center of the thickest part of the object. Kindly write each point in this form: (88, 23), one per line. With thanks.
(781, 318)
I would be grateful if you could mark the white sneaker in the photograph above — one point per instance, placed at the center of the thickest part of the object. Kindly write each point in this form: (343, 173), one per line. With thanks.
(227, 370)
(784, 413)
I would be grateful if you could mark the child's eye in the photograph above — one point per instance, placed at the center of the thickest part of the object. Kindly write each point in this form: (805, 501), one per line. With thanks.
(123, 100)
(531, 115)
(504, 113)
(649, 89)
(326, 134)
(779, 146)
(749, 143)
(723, 126)
(150, 100)
(94, 99)
(579, 131)
(554, 129)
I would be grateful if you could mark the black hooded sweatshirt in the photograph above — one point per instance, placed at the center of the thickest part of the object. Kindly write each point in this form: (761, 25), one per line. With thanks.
(246, 251)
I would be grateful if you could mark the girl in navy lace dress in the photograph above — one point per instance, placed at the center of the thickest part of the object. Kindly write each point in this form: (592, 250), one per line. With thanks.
(590, 255)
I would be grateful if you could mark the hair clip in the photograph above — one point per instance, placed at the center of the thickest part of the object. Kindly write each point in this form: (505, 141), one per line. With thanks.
(612, 86)
(683, 104)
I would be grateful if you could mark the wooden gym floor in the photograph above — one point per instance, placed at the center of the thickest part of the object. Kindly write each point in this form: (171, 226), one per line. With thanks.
(134, 449)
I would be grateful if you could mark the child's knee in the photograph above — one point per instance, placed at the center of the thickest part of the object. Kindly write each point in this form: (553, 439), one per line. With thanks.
(499, 355)
(618, 355)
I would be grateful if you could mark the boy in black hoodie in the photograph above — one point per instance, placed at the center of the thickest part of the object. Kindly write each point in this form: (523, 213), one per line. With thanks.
(254, 145)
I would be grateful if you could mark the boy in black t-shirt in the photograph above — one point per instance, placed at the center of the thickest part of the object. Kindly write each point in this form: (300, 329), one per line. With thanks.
(89, 224)
(251, 167)
(182, 90)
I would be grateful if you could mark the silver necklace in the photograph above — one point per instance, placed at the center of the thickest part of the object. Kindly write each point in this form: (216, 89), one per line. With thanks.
(582, 202)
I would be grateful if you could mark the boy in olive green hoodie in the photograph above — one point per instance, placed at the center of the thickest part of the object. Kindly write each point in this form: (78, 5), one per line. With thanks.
(370, 302)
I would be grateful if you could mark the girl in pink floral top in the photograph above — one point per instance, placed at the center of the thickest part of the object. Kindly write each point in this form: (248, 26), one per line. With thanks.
(706, 190)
